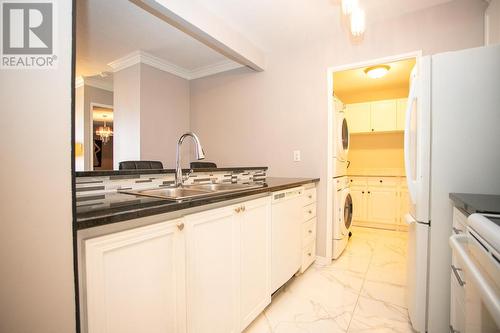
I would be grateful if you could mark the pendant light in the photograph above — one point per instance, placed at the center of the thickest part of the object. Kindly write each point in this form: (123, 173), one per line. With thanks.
(358, 23)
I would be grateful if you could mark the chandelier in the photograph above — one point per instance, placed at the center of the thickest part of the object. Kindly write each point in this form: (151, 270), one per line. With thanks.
(104, 133)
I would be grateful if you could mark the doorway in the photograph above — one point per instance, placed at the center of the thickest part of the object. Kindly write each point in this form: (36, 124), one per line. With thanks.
(384, 123)
(101, 137)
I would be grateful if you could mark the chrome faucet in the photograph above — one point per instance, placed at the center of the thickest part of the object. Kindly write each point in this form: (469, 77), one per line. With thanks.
(199, 155)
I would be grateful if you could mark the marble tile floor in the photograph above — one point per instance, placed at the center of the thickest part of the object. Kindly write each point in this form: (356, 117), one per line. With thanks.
(362, 291)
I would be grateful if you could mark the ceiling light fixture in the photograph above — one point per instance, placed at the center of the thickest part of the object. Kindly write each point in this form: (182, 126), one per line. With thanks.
(358, 23)
(104, 132)
(348, 6)
(377, 72)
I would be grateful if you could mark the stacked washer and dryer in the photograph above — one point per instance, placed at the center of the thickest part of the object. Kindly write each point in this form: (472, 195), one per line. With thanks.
(342, 201)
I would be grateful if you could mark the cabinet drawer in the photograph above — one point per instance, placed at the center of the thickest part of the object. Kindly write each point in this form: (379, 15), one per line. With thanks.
(309, 196)
(459, 221)
(308, 255)
(383, 181)
(357, 181)
(308, 212)
(308, 231)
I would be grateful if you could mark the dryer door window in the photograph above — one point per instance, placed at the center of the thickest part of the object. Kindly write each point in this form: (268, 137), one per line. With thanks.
(347, 211)
(345, 135)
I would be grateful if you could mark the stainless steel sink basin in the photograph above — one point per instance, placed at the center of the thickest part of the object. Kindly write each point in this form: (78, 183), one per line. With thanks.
(192, 191)
(223, 187)
(174, 193)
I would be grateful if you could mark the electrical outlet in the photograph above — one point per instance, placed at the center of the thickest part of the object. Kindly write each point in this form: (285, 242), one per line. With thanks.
(296, 155)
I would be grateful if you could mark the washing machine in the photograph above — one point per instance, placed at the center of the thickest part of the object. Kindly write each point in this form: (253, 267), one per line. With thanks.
(340, 140)
(342, 215)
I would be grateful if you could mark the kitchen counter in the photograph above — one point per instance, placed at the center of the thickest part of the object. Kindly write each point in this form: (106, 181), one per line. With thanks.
(103, 209)
(476, 203)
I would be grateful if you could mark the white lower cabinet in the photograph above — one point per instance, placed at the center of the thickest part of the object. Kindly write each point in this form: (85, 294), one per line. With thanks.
(255, 274)
(382, 205)
(205, 272)
(379, 202)
(212, 271)
(135, 280)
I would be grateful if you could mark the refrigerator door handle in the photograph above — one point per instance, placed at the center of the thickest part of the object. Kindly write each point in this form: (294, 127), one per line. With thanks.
(409, 108)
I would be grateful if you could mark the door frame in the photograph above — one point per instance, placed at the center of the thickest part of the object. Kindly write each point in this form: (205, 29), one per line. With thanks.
(330, 113)
(90, 143)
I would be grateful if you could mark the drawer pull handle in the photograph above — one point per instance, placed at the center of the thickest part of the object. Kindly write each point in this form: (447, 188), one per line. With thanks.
(310, 196)
(180, 226)
(457, 231)
(310, 231)
(243, 208)
(237, 209)
(457, 275)
(309, 254)
(310, 211)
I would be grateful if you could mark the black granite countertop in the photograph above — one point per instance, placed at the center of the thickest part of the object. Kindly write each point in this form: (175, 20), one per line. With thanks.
(98, 210)
(97, 173)
(476, 203)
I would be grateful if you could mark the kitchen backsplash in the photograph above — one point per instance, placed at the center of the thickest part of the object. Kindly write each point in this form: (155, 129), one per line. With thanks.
(92, 185)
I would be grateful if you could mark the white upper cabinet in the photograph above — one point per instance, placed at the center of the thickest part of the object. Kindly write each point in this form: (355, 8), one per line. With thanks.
(401, 113)
(378, 116)
(383, 116)
(135, 280)
(359, 117)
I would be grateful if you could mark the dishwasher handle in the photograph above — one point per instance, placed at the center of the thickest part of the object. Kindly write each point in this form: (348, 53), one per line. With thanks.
(287, 194)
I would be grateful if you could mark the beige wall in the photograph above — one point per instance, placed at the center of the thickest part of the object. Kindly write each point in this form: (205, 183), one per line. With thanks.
(151, 113)
(376, 154)
(36, 249)
(164, 115)
(253, 118)
(126, 115)
(493, 22)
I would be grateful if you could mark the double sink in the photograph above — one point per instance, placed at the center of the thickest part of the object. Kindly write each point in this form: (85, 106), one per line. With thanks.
(187, 192)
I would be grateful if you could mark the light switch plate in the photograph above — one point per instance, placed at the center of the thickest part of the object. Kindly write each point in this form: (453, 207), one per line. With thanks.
(296, 155)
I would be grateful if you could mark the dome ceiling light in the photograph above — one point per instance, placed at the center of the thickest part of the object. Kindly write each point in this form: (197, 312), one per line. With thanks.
(376, 72)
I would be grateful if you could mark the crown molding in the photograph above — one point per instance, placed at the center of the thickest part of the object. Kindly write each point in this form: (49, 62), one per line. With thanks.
(137, 57)
(96, 83)
(222, 66)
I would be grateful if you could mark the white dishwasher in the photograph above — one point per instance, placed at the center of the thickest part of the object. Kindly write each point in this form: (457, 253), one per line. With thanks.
(286, 235)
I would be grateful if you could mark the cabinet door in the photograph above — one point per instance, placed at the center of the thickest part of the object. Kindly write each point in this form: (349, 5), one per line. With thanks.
(401, 113)
(404, 205)
(212, 269)
(255, 289)
(135, 280)
(383, 116)
(358, 117)
(358, 195)
(382, 205)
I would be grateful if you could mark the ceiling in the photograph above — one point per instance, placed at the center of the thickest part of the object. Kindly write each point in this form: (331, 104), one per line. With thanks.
(354, 86)
(108, 30)
(266, 23)
(100, 114)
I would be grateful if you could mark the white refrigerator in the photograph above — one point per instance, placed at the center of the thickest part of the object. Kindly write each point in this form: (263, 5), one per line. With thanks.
(452, 144)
